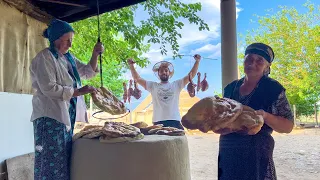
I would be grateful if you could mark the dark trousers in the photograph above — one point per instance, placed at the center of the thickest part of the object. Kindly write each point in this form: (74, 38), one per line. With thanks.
(170, 123)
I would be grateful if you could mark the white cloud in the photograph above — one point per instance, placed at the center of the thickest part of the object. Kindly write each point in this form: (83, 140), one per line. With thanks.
(144, 72)
(154, 55)
(127, 75)
(215, 55)
(209, 51)
(209, 4)
(210, 13)
(238, 10)
(207, 48)
(191, 35)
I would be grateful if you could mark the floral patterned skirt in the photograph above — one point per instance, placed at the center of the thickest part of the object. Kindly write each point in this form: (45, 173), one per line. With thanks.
(53, 147)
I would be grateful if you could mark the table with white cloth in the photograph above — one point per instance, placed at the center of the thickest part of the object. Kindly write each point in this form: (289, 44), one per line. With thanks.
(155, 157)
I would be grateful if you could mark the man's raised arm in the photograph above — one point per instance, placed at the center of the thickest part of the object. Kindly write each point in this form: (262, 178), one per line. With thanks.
(193, 71)
(135, 74)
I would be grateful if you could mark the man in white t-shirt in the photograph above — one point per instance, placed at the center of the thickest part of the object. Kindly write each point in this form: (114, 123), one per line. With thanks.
(165, 94)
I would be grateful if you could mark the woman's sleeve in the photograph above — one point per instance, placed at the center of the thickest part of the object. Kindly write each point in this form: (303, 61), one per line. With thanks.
(85, 70)
(45, 73)
(281, 107)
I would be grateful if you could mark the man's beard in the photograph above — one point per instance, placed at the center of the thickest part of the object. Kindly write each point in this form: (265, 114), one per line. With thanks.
(164, 78)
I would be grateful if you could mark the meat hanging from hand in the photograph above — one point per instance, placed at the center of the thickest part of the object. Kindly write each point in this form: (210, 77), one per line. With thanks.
(199, 82)
(130, 90)
(204, 83)
(136, 92)
(125, 92)
(191, 87)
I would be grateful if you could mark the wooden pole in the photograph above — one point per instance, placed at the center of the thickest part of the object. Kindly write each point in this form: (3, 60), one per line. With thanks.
(294, 115)
(316, 114)
(130, 112)
(91, 103)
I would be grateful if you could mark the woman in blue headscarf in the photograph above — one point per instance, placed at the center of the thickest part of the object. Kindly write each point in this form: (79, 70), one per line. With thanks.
(58, 102)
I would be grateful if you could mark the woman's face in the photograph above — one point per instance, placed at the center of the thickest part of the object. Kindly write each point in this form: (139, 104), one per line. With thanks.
(255, 65)
(64, 42)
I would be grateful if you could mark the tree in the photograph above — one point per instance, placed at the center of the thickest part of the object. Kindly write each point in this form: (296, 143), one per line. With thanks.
(123, 38)
(295, 40)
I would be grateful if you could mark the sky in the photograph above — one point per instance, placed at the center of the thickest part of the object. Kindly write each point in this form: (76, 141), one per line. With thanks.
(208, 43)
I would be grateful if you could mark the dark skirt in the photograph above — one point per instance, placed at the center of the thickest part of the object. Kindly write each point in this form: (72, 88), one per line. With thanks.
(53, 147)
(244, 157)
(170, 123)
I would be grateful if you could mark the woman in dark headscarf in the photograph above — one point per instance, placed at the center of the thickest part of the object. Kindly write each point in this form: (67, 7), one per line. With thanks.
(58, 102)
(244, 157)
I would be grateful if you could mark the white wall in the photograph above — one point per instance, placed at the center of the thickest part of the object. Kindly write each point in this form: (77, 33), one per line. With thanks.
(16, 130)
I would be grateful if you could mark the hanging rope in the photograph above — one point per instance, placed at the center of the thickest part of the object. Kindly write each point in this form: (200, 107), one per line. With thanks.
(101, 79)
(99, 40)
(201, 57)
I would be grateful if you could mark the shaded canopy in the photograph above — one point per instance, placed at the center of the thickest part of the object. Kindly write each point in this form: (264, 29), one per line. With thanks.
(67, 10)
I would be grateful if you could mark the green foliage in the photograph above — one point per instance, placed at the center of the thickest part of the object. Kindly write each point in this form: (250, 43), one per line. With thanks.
(295, 40)
(123, 38)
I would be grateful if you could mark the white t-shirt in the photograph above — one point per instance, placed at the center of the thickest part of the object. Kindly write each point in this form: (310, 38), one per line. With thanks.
(165, 100)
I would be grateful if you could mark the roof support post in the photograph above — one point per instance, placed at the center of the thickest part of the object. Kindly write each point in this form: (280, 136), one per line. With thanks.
(228, 42)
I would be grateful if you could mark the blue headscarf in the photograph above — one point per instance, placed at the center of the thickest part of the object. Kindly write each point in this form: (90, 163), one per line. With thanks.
(55, 30)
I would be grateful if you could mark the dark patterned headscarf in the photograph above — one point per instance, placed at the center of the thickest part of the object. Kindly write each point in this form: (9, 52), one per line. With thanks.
(261, 49)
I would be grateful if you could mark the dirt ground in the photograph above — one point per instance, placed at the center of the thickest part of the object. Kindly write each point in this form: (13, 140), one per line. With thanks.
(296, 155)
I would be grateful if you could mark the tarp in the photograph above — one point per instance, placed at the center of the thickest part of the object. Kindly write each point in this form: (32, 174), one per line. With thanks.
(20, 40)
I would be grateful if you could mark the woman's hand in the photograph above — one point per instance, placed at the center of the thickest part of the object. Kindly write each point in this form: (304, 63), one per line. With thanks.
(262, 113)
(277, 123)
(98, 49)
(84, 90)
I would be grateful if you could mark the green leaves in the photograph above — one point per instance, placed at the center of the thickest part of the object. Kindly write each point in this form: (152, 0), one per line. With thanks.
(295, 40)
(124, 38)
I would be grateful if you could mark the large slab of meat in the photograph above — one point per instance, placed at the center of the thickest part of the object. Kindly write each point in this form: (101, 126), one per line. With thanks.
(108, 102)
(222, 116)
(111, 132)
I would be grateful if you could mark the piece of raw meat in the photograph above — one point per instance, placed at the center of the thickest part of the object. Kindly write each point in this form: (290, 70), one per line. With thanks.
(136, 92)
(204, 83)
(199, 83)
(125, 92)
(130, 91)
(191, 87)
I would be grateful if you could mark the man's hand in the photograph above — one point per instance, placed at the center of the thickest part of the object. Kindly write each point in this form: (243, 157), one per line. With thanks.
(197, 57)
(130, 61)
